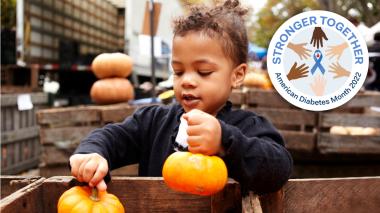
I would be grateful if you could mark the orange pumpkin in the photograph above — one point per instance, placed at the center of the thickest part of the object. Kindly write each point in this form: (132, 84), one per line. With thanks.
(111, 90)
(84, 199)
(108, 65)
(195, 173)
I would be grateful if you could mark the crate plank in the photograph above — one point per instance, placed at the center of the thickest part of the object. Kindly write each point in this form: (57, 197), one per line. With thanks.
(67, 116)
(266, 98)
(70, 134)
(17, 135)
(348, 144)
(333, 195)
(11, 99)
(115, 113)
(287, 116)
(237, 97)
(26, 199)
(366, 99)
(299, 141)
(346, 119)
(12, 183)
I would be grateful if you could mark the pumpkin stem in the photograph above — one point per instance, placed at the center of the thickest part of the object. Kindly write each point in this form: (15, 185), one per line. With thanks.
(94, 194)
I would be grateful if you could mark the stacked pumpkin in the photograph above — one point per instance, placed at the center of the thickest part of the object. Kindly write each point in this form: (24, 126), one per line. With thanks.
(113, 87)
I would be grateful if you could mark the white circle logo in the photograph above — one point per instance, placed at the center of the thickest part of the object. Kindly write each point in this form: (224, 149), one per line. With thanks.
(317, 60)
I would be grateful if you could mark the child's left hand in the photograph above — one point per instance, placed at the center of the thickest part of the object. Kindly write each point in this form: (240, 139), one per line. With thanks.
(204, 132)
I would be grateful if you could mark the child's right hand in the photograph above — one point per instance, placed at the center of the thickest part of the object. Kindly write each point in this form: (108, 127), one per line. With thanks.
(90, 168)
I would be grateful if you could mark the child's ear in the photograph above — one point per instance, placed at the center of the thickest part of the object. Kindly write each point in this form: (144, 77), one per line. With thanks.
(238, 75)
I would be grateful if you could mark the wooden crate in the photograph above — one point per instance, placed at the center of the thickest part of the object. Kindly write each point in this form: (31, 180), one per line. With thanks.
(20, 147)
(11, 183)
(297, 126)
(136, 194)
(62, 129)
(147, 194)
(356, 113)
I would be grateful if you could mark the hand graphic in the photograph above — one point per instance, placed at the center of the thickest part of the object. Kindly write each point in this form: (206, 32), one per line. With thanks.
(318, 36)
(336, 50)
(300, 49)
(339, 70)
(319, 85)
(297, 72)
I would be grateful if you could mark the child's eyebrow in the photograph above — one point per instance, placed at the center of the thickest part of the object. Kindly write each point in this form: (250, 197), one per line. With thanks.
(204, 61)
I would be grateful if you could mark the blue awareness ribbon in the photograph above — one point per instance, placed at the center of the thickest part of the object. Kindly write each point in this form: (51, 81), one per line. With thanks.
(317, 58)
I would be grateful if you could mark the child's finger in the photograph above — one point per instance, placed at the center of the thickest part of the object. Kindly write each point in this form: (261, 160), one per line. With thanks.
(101, 171)
(89, 170)
(194, 141)
(81, 170)
(194, 130)
(75, 162)
(102, 186)
(197, 149)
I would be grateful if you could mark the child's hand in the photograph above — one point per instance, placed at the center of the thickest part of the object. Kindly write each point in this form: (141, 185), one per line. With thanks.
(204, 132)
(90, 168)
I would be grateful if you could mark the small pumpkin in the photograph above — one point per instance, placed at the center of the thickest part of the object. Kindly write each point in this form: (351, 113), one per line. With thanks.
(257, 80)
(84, 199)
(108, 65)
(195, 173)
(111, 90)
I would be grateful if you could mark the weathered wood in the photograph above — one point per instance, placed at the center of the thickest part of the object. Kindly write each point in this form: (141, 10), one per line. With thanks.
(12, 183)
(71, 134)
(287, 116)
(345, 119)
(266, 98)
(11, 99)
(349, 144)
(136, 194)
(67, 116)
(115, 113)
(26, 199)
(299, 141)
(367, 99)
(237, 97)
(17, 135)
(333, 195)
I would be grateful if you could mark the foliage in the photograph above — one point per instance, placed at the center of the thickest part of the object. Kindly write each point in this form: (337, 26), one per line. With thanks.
(273, 14)
(8, 13)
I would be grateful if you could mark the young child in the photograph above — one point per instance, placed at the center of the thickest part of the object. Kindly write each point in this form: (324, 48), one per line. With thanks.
(209, 60)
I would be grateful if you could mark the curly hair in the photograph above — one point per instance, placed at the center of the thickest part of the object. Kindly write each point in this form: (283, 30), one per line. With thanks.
(224, 22)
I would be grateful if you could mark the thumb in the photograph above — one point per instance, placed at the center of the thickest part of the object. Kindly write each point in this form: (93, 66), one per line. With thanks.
(101, 186)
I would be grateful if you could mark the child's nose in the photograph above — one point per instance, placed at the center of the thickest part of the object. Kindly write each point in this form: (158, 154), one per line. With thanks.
(188, 80)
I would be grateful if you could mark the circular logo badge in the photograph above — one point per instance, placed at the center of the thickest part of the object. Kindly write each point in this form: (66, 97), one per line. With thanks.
(317, 60)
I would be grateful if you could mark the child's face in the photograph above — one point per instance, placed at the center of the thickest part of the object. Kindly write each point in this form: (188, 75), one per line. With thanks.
(203, 75)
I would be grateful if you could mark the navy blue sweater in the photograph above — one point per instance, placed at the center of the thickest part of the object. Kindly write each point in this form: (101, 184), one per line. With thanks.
(254, 150)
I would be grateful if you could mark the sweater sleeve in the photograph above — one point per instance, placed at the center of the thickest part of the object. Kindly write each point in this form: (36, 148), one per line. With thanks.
(119, 143)
(255, 155)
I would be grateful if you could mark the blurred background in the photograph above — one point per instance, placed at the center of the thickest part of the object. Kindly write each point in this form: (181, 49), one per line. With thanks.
(47, 50)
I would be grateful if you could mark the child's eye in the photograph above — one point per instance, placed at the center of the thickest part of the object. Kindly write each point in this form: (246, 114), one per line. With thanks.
(178, 73)
(204, 72)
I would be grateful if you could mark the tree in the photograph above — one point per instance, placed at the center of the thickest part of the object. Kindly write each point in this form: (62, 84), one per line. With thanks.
(367, 11)
(273, 14)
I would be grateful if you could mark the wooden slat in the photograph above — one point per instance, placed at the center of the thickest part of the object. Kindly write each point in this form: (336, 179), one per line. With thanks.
(348, 144)
(139, 194)
(333, 195)
(26, 199)
(299, 141)
(72, 134)
(67, 116)
(115, 113)
(266, 98)
(12, 183)
(237, 97)
(345, 119)
(287, 116)
(11, 99)
(18, 135)
(366, 99)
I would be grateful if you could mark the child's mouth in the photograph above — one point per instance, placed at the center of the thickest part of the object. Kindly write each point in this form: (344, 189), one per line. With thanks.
(190, 100)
